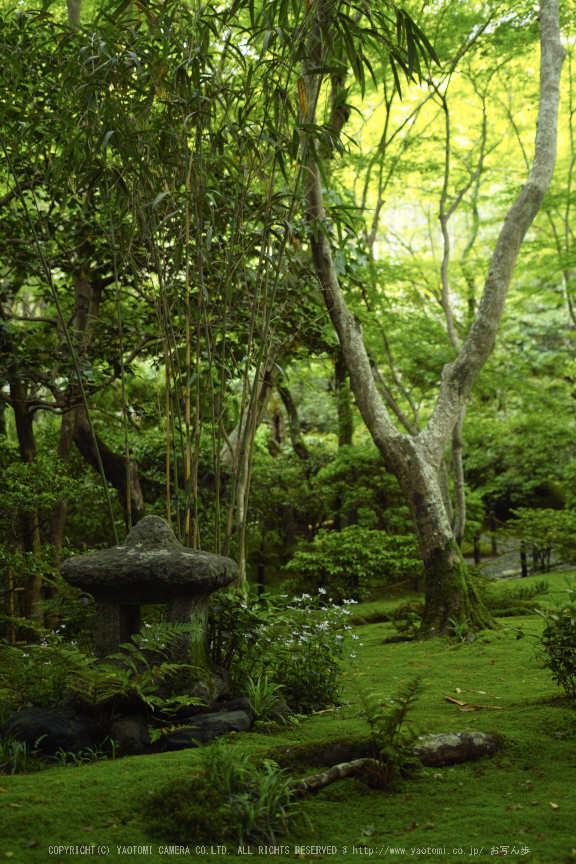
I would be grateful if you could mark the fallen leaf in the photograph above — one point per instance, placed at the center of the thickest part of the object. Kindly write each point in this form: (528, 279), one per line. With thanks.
(514, 807)
(458, 690)
(456, 701)
(3, 790)
(482, 692)
(411, 827)
(428, 826)
(31, 844)
(535, 803)
(554, 806)
(540, 837)
(14, 805)
(438, 776)
(409, 798)
(87, 827)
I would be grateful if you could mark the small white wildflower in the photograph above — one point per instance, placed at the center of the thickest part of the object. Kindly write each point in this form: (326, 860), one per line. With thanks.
(353, 656)
(322, 591)
(25, 655)
(148, 625)
(354, 636)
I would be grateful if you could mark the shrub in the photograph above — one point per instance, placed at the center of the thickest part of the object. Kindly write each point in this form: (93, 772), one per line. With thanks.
(546, 531)
(351, 562)
(557, 644)
(517, 601)
(296, 642)
(233, 800)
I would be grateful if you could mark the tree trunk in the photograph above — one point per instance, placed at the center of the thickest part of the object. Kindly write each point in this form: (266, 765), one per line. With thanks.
(114, 465)
(415, 461)
(344, 405)
(32, 594)
(449, 590)
(87, 296)
(74, 8)
(60, 511)
(459, 488)
(294, 427)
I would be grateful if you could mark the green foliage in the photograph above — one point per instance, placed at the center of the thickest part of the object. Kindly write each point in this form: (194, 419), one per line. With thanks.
(234, 800)
(16, 757)
(459, 628)
(356, 485)
(514, 601)
(44, 673)
(296, 642)
(350, 562)
(390, 732)
(556, 646)
(264, 696)
(546, 531)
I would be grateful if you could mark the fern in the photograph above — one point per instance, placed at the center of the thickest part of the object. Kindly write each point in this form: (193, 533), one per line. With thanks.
(391, 734)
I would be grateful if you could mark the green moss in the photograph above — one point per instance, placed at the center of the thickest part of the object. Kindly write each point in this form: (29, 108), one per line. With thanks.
(188, 812)
(470, 805)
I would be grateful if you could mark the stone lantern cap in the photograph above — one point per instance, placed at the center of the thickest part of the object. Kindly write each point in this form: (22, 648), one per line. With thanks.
(151, 566)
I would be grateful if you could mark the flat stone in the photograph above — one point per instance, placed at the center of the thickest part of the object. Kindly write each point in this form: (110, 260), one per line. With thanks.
(59, 730)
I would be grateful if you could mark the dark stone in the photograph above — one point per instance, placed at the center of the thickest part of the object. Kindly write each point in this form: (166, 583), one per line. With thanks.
(131, 735)
(205, 727)
(62, 730)
(220, 707)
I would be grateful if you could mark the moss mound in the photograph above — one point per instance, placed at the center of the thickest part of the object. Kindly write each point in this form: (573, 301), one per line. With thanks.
(187, 812)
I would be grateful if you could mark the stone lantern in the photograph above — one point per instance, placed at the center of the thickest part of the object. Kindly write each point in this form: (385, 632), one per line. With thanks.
(151, 566)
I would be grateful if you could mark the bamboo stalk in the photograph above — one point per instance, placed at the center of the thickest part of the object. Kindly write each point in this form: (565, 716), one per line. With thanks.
(121, 352)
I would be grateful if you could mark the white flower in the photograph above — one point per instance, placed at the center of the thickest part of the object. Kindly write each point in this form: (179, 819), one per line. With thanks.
(148, 625)
(25, 655)
(354, 636)
(353, 656)
(322, 591)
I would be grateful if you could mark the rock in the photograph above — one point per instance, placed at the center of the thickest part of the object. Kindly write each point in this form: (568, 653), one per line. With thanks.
(203, 728)
(470, 637)
(451, 748)
(217, 707)
(131, 734)
(62, 730)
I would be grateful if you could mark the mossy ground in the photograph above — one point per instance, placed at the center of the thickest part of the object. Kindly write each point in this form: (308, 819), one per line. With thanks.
(499, 802)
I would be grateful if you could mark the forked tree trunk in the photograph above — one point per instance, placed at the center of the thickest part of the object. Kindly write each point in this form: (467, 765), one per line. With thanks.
(416, 460)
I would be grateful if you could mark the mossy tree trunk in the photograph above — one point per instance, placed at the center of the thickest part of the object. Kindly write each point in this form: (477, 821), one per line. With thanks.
(449, 590)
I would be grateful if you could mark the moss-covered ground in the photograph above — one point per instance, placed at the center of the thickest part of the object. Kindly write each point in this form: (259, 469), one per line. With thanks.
(519, 805)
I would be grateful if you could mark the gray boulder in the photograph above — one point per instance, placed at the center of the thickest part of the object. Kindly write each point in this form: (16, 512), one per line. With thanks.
(131, 734)
(59, 730)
